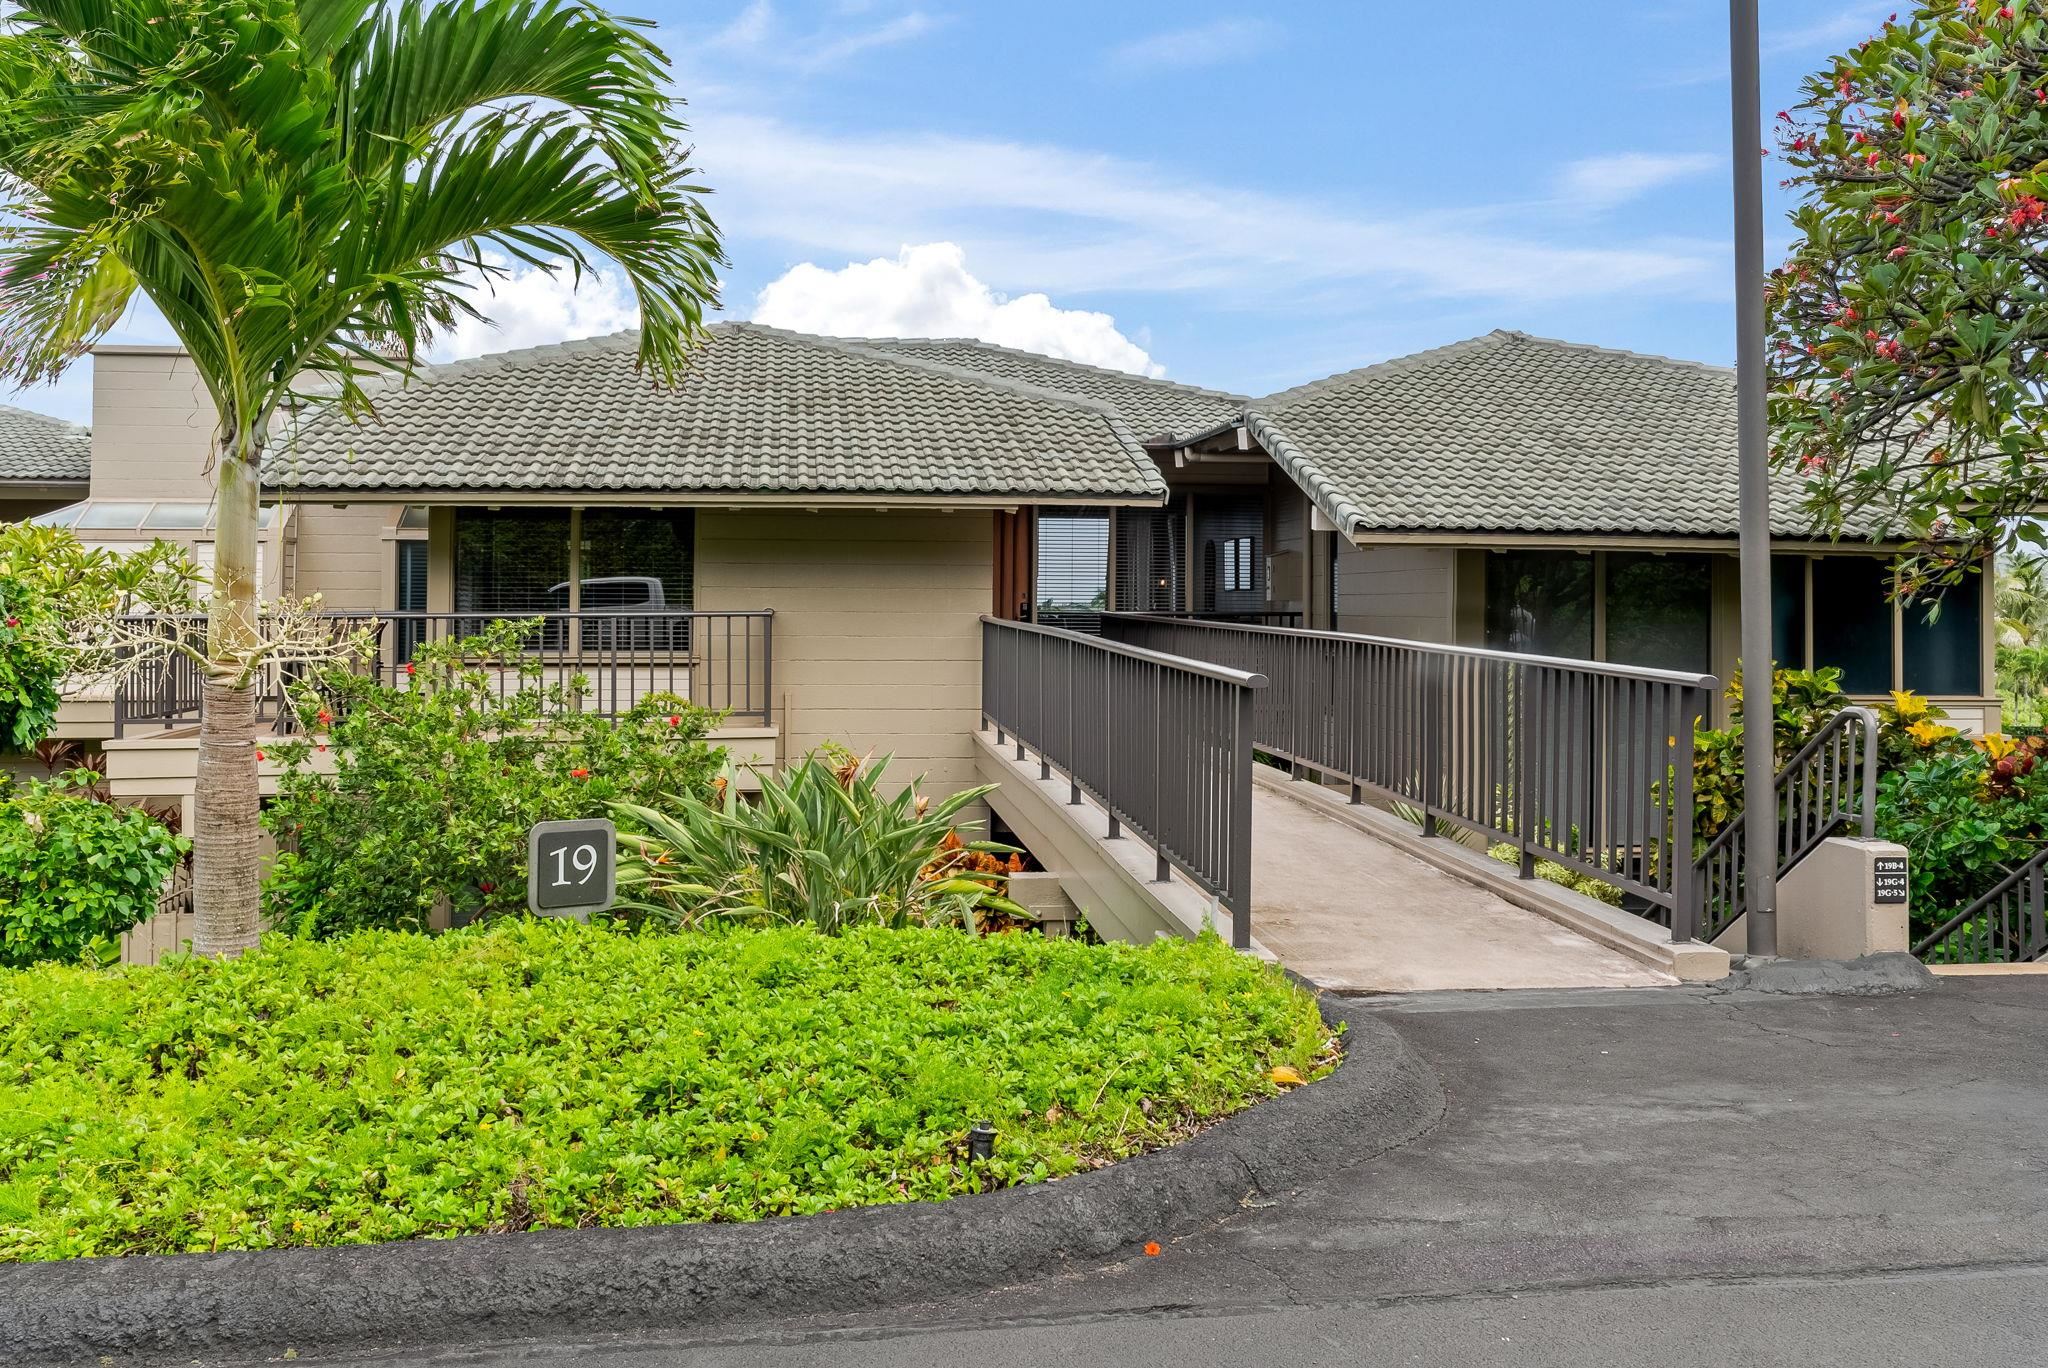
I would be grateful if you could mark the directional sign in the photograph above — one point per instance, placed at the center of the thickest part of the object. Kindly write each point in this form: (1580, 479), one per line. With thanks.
(1888, 873)
(572, 867)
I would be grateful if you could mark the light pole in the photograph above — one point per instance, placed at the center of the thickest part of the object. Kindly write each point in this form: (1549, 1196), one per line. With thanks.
(1759, 764)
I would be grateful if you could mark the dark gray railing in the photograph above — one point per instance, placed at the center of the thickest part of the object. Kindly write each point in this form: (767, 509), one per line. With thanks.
(166, 688)
(1164, 744)
(1828, 785)
(719, 660)
(1584, 764)
(2008, 925)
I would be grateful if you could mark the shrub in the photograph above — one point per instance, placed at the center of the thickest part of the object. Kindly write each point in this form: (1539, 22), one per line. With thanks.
(822, 847)
(31, 666)
(545, 1073)
(1966, 815)
(436, 781)
(76, 872)
(1802, 702)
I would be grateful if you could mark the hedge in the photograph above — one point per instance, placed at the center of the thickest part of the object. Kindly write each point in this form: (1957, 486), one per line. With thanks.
(391, 1085)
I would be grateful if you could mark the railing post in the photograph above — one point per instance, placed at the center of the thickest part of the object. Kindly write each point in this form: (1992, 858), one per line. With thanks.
(1434, 673)
(1685, 884)
(1162, 871)
(1522, 716)
(1240, 900)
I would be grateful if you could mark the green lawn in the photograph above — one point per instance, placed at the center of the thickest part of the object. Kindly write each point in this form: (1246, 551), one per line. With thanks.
(390, 1086)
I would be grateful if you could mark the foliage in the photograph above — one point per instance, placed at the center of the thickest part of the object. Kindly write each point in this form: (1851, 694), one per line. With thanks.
(1909, 322)
(1802, 703)
(52, 589)
(1966, 814)
(311, 189)
(549, 1074)
(823, 846)
(2022, 653)
(307, 192)
(32, 667)
(1553, 872)
(435, 781)
(76, 872)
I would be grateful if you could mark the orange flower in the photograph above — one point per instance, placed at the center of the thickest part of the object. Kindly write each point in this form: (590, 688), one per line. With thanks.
(1151, 1249)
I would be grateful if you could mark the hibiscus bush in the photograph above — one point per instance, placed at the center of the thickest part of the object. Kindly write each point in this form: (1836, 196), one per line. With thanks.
(403, 800)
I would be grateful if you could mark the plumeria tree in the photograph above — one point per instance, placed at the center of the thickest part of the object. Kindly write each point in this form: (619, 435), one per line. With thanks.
(306, 190)
(1910, 342)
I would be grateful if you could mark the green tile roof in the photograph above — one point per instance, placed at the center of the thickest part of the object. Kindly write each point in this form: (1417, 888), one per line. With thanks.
(36, 447)
(759, 411)
(1155, 409)
(1509, 432)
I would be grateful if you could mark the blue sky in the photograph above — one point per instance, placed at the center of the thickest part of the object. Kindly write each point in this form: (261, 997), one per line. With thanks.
(1234, 195)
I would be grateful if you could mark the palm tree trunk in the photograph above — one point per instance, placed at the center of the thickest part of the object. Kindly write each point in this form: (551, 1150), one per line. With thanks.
(225, 879)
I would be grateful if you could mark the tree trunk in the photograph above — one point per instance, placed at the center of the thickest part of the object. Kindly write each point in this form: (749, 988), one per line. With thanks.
(226, 892)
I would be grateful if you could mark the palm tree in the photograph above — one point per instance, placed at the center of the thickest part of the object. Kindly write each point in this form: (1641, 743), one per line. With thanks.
(302, 189)
(2023, 601)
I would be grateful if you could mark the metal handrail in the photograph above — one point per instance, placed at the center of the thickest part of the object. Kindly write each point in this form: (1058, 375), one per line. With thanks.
(1162, 742)
(717, 658)
(1814, 788)
(2008, 925)
(1586, 765)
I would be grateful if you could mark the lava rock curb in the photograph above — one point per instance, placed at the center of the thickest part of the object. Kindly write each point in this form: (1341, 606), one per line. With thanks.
(480, 1288)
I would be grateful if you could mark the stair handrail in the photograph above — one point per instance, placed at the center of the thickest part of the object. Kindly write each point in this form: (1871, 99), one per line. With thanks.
(1809, 787)
(2022, 930)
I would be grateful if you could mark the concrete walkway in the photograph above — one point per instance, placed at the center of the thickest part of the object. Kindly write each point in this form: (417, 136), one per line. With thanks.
(1350, 912)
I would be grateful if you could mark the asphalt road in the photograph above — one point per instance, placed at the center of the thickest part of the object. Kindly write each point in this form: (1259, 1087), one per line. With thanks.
(1664, 1176)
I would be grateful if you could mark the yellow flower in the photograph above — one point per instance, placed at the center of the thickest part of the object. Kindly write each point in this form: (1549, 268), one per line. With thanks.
(1927, 733)
(1997, 746)
(1908, 704)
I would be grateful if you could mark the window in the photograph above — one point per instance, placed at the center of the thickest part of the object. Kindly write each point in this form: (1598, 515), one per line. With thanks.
(1228, 529)
(1072, 567)
(1237, 566)
(1540, 603)
(512, 560)
(1945, 655)
(1852, 624)
(638, 558)
(1151, 558)
(1658, 611)
(1788, 611)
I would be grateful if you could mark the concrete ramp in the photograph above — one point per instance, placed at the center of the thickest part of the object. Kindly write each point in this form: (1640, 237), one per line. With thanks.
(1351, 912)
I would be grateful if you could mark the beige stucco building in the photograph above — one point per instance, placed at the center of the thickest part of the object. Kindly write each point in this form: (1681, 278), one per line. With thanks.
(806, 530)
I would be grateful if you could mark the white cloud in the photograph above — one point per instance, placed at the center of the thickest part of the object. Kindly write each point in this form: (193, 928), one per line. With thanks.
(531, 308)
(1070, 221)
(758, 34)
(1605, 181)
(927, 291)
(1210, 44)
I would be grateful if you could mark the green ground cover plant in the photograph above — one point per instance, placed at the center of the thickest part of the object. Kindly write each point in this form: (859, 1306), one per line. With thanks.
(538, 1073)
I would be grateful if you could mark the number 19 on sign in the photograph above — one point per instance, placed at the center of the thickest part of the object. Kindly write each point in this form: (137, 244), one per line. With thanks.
(571, 867)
